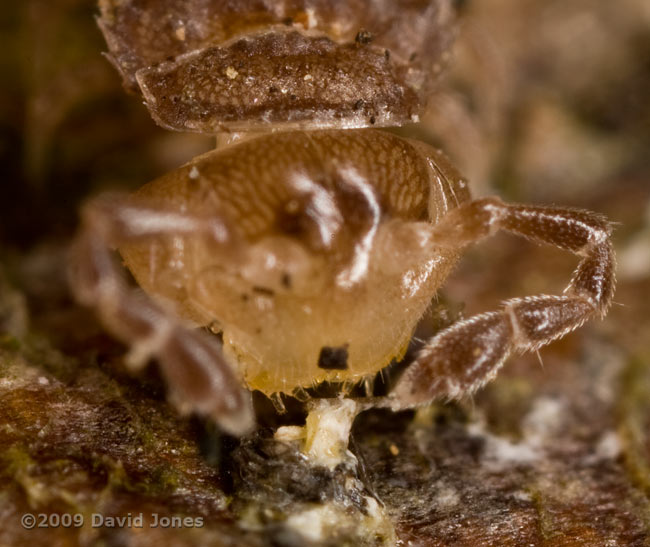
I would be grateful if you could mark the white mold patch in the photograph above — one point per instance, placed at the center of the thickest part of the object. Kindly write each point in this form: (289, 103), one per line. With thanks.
(328, 521)
(328, 431)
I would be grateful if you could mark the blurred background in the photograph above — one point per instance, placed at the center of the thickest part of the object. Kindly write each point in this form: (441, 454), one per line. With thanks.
(544, 101)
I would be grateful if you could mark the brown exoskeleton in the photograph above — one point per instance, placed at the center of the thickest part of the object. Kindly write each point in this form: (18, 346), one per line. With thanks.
(315, 252)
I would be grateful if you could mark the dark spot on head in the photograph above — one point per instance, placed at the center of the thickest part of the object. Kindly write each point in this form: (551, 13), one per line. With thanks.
(287, 21)
(357, 105)
(387, 54)
(413, 57)
(293, 97)
(333, 358)
(363, 37)
(286, 280)
(244, 297)
(264, 291)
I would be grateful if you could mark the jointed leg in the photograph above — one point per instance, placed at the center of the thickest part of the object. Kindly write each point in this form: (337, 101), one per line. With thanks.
(199, 377)
(465, 356)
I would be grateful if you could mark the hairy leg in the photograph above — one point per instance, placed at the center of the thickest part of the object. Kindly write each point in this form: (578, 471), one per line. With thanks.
(465, 356)
(194, 366)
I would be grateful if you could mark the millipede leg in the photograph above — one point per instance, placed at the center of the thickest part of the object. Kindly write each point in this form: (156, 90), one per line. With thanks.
(465, 356)
(197, 372)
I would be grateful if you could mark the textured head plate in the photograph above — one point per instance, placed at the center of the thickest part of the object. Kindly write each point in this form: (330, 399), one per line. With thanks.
(207, 65)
